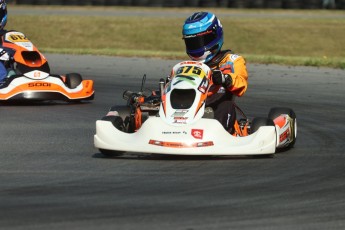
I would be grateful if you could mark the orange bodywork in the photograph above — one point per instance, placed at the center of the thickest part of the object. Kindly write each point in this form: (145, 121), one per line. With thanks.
(19, 57)
(15, 37)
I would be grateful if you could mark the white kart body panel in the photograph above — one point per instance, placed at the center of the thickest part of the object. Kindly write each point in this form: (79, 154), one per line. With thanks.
(203, 137)
(196, 81)
(36, 75)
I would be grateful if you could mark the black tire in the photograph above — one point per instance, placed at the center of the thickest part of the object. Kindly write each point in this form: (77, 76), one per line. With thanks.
(110, 153)
(257, 122)
(117, 122)
(130, 124)
(73, 80)
(276, 112)
(123, 110)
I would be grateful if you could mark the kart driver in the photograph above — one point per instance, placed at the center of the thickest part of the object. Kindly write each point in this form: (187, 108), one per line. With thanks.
(203, 36)
(5, 55)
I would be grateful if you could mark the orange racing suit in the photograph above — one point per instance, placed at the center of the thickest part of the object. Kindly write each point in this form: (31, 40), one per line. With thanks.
(220, 98)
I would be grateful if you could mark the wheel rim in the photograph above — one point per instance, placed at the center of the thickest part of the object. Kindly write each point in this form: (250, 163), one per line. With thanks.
(295, 129)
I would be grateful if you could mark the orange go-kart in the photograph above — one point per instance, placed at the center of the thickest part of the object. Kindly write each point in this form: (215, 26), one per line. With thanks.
(30, 78)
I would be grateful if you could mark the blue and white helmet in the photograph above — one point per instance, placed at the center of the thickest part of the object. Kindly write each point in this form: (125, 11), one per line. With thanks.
(203, 36)
(3, 14)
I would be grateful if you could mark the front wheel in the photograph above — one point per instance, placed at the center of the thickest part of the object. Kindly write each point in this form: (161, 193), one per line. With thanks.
(73, 80)
(258, 122)
(277, 112)
(117, 122)
(110, 153)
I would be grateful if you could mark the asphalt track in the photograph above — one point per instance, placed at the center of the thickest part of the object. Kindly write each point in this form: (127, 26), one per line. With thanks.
(51, 176)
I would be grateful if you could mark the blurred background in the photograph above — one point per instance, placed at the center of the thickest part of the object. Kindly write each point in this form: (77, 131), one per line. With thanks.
(274, 4)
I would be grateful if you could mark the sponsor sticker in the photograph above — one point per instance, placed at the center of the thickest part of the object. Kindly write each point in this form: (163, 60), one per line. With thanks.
(17, 37)
(203, 86)
(197, 133)
(180, 144)
(233, 57)
(180, 113)
(37, 74)
(284, 135)
(39, 84)
(174, 132)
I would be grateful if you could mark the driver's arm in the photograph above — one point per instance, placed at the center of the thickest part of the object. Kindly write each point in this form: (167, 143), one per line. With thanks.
(235, 66)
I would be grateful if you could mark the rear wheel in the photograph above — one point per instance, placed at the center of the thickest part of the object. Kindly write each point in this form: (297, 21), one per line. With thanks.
(276, 112)
(73, 80)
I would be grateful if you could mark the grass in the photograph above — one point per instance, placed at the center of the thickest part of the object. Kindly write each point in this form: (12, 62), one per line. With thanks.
(311, 41)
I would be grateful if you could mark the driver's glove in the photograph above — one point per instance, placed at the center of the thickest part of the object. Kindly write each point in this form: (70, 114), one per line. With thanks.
(218, 78)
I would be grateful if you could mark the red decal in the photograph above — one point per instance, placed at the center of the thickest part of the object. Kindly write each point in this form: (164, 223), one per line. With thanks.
(37, 74)
(284, 135)
(198, 133)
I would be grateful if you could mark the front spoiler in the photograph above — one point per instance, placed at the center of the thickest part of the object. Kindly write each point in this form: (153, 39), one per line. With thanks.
(155, 136)
(43, 96)
(51, 88)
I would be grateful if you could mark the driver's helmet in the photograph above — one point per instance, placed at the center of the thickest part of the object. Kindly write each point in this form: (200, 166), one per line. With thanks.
(203, 35)
(3, 14)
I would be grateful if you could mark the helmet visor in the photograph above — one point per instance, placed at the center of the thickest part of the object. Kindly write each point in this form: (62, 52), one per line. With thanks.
(200, 40)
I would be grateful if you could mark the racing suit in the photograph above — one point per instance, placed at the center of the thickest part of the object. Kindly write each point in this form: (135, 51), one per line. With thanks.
(6, 56)
(3, 72)
(221, 97)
